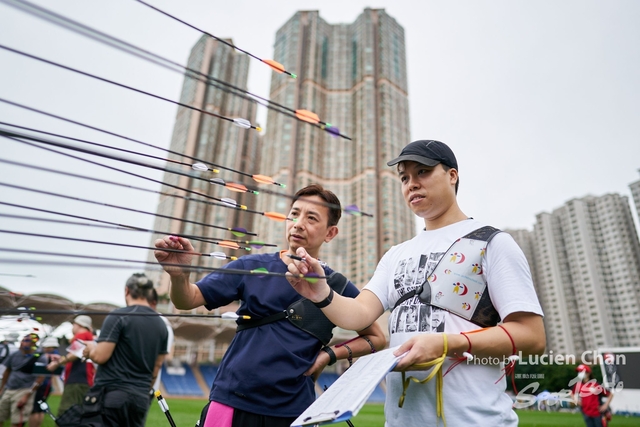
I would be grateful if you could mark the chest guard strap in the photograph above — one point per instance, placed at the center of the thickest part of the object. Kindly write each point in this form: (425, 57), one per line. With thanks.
(303, 314)
(457, 282)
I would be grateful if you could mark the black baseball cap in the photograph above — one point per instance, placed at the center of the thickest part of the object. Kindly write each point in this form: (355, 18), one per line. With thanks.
(427, 152)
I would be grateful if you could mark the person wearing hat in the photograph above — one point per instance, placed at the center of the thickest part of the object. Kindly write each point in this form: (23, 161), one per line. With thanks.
(19, 383)
(49, 347)
(471, 392)
(78, 373)
(587, 396)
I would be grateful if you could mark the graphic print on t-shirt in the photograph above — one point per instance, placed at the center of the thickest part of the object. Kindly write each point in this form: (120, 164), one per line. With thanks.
(412, 315)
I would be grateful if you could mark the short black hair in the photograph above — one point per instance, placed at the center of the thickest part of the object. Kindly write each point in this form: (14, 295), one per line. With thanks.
(335, 212)
(446, 169)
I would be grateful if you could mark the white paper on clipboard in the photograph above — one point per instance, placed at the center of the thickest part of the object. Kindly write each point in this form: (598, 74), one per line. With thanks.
(76, 349)
(348, 394)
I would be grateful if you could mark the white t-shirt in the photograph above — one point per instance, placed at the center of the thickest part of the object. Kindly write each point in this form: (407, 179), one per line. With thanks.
(471, 395)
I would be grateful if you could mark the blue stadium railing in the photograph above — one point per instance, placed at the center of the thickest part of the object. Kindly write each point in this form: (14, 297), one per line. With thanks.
(208, 373)
(187, 385)
(181, 385)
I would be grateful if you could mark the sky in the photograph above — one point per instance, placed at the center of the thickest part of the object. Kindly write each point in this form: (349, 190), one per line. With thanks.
(539, 100)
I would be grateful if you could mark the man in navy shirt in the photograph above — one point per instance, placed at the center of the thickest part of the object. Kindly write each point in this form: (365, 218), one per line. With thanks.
(266, 377)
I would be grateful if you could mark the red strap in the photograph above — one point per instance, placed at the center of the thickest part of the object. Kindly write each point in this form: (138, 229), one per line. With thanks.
(513, 344)
(465, 356)
(509, 368)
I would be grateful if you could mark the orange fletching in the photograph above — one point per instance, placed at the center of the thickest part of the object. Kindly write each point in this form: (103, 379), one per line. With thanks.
(275, 216)
(228, 244)
(263, 179)
(307, 116)
(238, 188)
(275, 65)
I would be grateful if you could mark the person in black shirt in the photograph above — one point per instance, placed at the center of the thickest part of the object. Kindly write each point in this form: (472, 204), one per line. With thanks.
(130, 351)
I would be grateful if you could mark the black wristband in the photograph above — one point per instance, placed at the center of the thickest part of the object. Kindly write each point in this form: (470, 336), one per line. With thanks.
(332, 355)
(325, 302)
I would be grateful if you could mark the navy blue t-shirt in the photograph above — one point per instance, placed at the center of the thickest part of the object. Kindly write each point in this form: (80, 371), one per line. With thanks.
(262, 371)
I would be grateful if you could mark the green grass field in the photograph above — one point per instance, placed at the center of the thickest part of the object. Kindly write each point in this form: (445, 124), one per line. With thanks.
(186, 412)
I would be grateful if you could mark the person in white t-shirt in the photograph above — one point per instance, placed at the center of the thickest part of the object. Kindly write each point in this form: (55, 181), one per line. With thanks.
(473, 391)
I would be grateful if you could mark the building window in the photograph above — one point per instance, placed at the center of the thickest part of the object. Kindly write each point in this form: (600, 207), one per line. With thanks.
(354, 59)
(325, 57)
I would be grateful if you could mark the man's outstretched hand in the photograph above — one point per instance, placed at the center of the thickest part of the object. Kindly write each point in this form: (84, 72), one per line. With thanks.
(165, 257)
(316, 291)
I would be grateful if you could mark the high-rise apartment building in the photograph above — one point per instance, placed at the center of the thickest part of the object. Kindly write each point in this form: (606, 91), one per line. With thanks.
(354, 77)
(587, 269)
(635, 193)
(214, 140)
(526, 240)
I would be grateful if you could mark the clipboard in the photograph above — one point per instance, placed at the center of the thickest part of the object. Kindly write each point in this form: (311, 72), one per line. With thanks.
(348, 394)
(76, 349)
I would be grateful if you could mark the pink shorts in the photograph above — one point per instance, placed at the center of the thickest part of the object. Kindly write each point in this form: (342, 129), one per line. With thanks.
(218, 415)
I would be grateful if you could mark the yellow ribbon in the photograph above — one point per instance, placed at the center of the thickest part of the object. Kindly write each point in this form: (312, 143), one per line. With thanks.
(437, 372)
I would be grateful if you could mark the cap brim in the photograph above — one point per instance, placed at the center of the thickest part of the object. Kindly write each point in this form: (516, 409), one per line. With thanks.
(413, 158)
